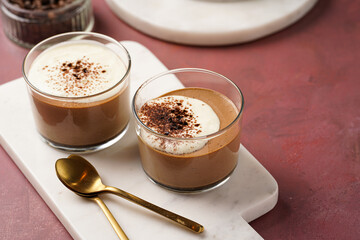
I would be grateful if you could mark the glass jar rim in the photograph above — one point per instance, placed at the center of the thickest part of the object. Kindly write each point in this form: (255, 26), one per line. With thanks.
(179, 70)
(126, 75)
(15, 9)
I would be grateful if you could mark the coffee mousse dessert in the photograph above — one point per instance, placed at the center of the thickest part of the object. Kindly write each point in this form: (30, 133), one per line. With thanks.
(78, 94)
(192, 139)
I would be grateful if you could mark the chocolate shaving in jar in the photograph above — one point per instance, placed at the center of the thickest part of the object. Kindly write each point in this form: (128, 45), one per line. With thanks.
(40, 4)
(36, 20)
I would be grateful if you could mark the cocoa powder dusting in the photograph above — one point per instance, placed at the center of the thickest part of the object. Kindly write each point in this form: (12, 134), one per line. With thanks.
(169, 117)
(77, 78)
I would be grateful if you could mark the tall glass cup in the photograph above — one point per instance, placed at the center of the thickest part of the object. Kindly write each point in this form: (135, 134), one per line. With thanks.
(79, 89)
(188, 163)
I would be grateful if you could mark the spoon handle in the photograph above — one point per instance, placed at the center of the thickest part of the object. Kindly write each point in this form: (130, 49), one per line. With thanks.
(121, 234)
(194, 226)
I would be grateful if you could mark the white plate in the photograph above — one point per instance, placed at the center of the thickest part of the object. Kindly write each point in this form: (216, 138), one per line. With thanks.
(210, 22)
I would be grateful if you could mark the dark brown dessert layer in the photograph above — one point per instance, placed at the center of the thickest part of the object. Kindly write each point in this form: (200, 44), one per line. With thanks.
(81, 124)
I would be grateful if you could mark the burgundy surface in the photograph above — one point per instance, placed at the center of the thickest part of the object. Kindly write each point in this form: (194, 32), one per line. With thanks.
(301, 121)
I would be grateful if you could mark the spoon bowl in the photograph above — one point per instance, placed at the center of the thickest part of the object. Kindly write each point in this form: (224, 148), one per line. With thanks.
(77, 174)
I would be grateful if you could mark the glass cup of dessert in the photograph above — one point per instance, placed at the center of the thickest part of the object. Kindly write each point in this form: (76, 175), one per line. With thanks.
(79, 90)
(188, 123)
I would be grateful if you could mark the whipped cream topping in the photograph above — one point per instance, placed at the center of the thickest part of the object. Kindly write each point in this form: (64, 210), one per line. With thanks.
(76, 69)
(178, 117)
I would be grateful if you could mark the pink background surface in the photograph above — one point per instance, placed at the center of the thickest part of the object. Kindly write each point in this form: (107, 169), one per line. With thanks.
(301, 121)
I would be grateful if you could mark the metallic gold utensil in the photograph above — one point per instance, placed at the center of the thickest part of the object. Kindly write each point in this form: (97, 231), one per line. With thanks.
(77, 174)
(61, 172)
(121, 234)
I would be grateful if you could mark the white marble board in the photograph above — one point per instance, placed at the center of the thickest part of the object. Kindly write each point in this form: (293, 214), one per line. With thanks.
(224, 212)
(210, 22)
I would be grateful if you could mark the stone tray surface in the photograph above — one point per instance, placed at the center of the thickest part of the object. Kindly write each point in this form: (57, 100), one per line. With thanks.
(210, 22)
(225, 211)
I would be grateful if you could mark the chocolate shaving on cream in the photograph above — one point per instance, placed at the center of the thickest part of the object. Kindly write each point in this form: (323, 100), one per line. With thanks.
(179, 117)
(170, 117)
(76, 78)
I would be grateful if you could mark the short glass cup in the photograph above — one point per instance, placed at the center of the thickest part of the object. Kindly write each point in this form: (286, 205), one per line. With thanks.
(209, 165)
(81, 123)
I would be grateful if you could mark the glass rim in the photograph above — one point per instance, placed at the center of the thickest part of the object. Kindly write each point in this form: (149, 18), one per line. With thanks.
(179, 70)
(15, 8)
(126, 75)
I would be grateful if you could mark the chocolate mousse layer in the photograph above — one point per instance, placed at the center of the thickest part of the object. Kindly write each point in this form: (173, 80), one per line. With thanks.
(81, 124)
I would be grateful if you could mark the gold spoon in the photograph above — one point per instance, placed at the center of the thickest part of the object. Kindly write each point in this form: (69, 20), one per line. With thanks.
(60, 170)
(118, 230)
(77, 174)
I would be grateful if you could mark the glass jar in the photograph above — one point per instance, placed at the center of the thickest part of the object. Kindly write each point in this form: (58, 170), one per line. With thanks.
(27, 27)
